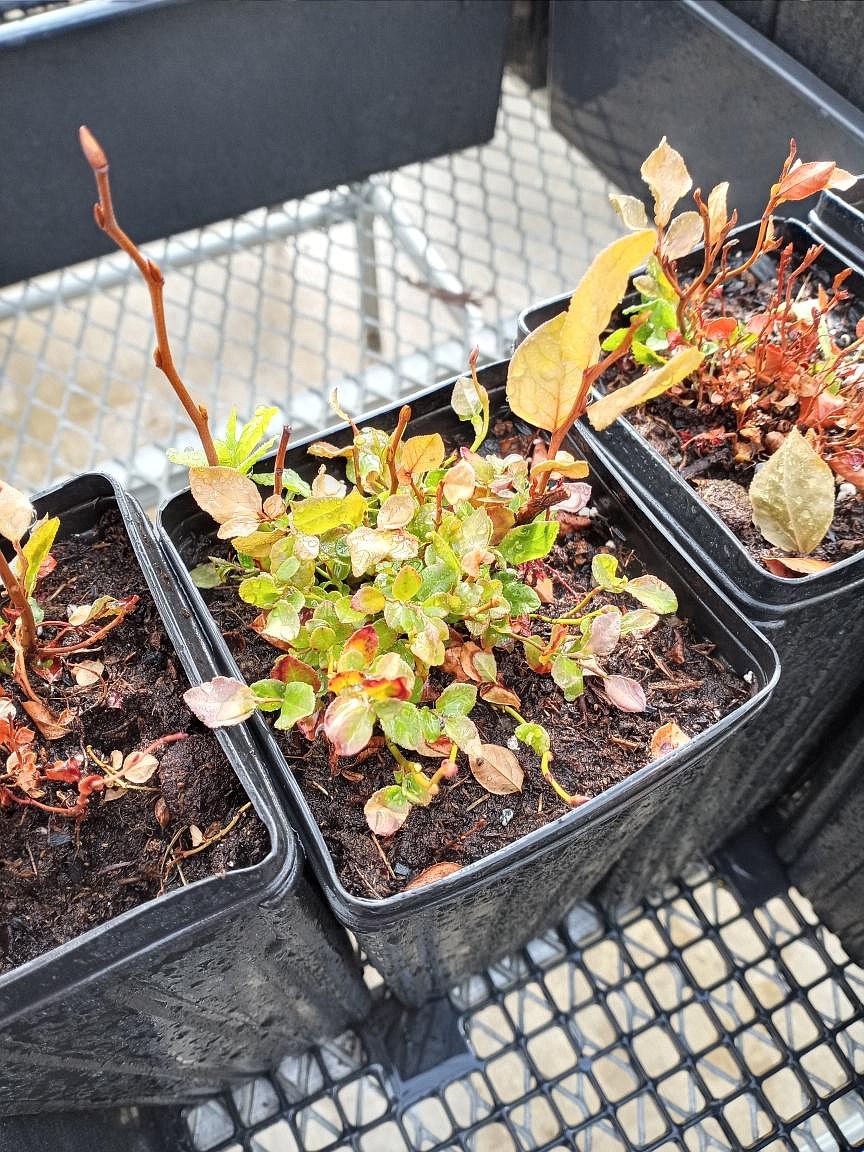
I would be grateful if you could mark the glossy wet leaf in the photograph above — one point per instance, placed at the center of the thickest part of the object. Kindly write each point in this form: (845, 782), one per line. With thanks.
(400, 720)
(792, 496)
(420, 454)
(298, 701)
(456, 700)
(665, 173)
(529, 542)
(221, 702)
(396, 511)
(319, 514)
(496, 769)
(463, 732)
(407, 584)
(604, 573)
(533, 736)
(608, 408)
(792, 566)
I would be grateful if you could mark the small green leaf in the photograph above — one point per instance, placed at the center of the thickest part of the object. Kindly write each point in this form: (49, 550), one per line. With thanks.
(534, 736)
(529, 541)
(456, 700)
(638, 623)
(654, 594)
(463, 732)
(569, 677)
(319, 514)
(519, 596)
(604, 569)
(283, 622)
(261, 591)
(401, 723)
(207, 576)
(298, 700)
(407, 583)
(36, 549)
(485, 666)
(268, 694)
(368, 599)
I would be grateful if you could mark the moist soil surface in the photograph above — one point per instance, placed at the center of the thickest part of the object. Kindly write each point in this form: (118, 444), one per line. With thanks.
(59, 876)
(709, 466)
(594, 744)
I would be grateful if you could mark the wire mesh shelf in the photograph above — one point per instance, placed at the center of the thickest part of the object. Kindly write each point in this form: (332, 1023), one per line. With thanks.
(690, 1024)
(381, 288)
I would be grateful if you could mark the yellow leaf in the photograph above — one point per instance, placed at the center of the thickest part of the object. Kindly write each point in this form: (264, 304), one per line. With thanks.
(396, 511)
(562, 465)
(717, 209)
(665, 173)
(545, 378)
(420, 454)
(16, 513)
(683, 235)
(792, 496)
(36, 550)
(226, 495)
(631, 211)
(607, 409)
(598, 293)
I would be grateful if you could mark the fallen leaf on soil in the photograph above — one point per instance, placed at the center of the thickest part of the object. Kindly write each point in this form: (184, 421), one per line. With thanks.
(196, 835)
(497, 770)
(52, 727)
(88, 672)
(220, 702)
(138, 767)
(792, 496)
(162, 812)
(667, 738)
(495, 694)
(435, 872)
(624, 693)
(386, 810)
(794, 565)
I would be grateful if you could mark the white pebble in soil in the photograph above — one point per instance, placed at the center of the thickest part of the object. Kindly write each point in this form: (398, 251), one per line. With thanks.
(846, 491)
(513, 744)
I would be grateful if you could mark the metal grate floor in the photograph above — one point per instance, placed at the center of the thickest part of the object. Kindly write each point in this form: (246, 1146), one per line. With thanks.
(690, 1024)
(381, 288)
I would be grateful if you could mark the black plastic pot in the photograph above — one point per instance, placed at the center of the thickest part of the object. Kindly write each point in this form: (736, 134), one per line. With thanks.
(839, 217)
(823, 842)
(813, 622)
(209, 983)
(209, 110)
(425, 940)
(624, 73)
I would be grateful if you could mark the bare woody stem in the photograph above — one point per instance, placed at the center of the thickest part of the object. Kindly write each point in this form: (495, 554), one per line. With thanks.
(153, 278)
(21, 605)
(279, 466)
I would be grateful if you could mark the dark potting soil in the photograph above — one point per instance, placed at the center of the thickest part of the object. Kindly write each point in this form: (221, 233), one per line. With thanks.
(594, 744)
(668, 422)
(59, 877)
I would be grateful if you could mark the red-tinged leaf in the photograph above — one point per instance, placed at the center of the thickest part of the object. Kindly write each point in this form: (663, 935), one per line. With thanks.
(667, 738)
(64, 771)
(822, 409)
(309, 725)
(720, 329)
(139, 767)
(430, 875)
(503, 697)
(792, 566)
(50, 670)
(381, 688)
(47, 567)
(364, 642)
(259, 624)
(859, 328)
(220, 702)
(342, 681)
(386, 810)
(626, 694)
(849, 466)
(496, 769)
(52, 727)
(348, 724)
(289, 670)
(805, 180)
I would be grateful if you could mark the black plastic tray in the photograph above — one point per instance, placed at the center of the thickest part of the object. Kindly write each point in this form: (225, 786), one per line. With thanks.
(209, 110)
(423, 941)
(207, 984)
(813, 622)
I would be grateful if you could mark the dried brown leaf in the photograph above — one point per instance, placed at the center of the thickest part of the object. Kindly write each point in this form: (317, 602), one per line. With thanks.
(435, 872)
(667, 738)
(497, 770)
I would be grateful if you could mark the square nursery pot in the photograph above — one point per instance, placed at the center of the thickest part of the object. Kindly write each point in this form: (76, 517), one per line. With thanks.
(623, 73)
(210, 110)
(425, 940)
(813, 622)
(821, 838)
(209, 983)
